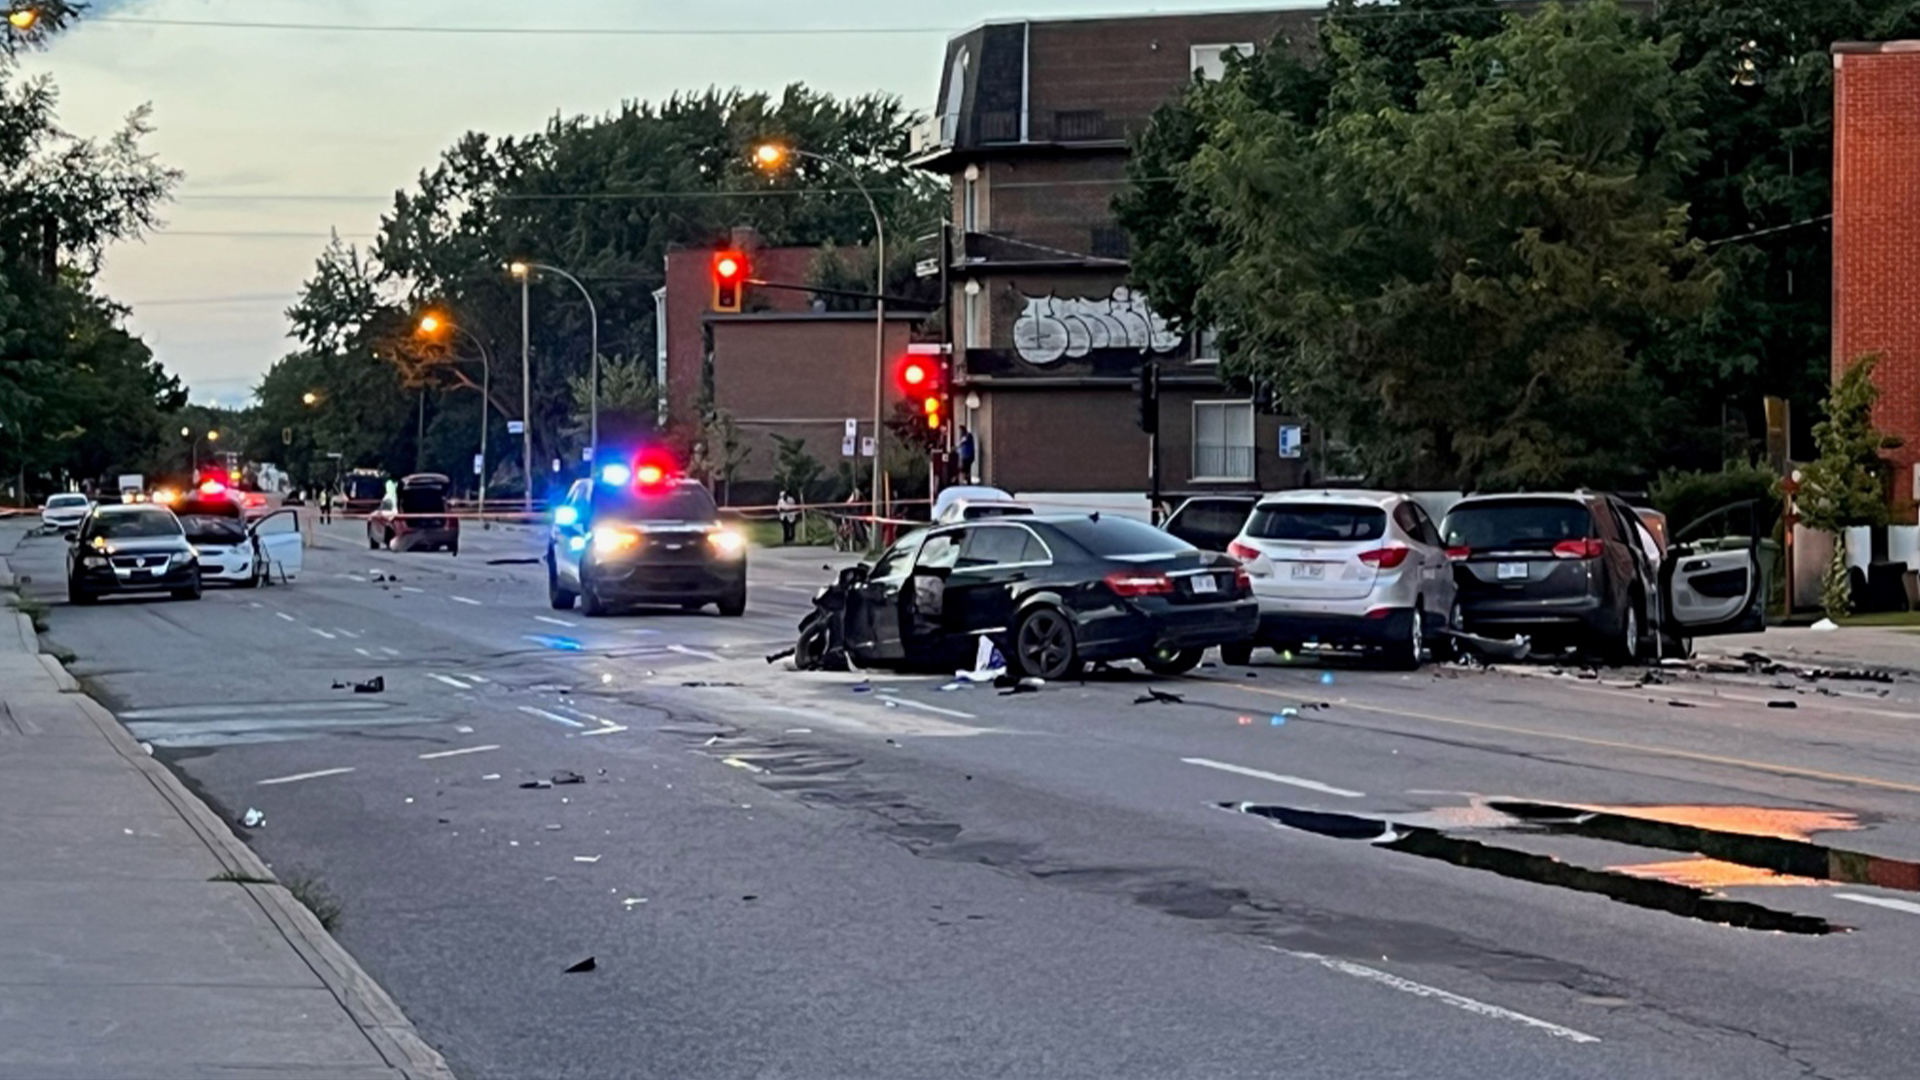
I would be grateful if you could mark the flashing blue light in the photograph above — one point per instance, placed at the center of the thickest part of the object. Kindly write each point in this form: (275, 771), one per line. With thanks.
(616, 474)
(566, 515)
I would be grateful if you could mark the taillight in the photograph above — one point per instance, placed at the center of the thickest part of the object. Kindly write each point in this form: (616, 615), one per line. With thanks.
(1138, 583)
(1578, 549)
(1385, 558)
(1242, 581)
(1458, 553)
(1243, 552)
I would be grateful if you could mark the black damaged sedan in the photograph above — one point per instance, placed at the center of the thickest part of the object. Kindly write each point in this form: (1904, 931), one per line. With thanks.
(1054, 592)
(131, 548)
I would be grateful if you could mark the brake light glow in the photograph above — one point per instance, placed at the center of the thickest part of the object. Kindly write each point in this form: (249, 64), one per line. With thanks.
(1243, 552)
(1458, 553)
(212, 487)
(1242, 581)
(1385, 558)
(1578, 549)
(1140, 583)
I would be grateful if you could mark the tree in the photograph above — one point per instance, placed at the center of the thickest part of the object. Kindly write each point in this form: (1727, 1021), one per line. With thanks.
(1459, 288)
(1846, 484)
(629, 402)
(725, 452)
(795, 469)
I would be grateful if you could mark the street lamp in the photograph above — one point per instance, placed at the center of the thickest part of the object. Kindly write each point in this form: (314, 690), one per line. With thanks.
(22, 18)
(310, 399)
(430, 325)
(772, 156)
(522, 269)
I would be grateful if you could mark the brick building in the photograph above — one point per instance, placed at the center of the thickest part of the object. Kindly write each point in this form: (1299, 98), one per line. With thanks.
(1032, 128)
(1876, 233)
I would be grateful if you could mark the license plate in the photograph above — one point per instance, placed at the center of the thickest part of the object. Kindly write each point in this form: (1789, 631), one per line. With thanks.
(1309, 571)
(1509, 571)
(1204, 583)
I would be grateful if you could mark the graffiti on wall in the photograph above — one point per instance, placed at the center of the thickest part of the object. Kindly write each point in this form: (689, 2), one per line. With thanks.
(1052, 328)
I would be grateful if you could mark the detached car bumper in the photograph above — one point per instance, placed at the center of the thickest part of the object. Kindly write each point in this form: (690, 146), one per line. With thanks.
(1136, 628)
(1572, 613)
(1335, 628)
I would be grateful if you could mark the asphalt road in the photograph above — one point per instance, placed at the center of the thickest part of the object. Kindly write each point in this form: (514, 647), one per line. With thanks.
(813, 875)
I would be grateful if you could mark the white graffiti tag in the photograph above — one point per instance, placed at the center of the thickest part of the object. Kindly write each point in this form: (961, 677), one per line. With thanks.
(1053, 327)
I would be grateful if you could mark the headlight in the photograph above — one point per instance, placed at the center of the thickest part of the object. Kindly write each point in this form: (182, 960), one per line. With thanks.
(611, 541)
(727, 542)
(181, 558)
(94, 561)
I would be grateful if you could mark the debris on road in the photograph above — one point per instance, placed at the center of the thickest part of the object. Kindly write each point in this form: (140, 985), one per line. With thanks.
(491, 776)
(703, 684)
(583, 966)
(1487, 648)
(1161, 696)
(534, 561)
(566, 776)
(1783, 704)
(1681, 704)
(534, 785)
(631, 901)
(553, 827)
(1824, 625)
(375, 685)
(774, 658)
(253, 819)
(586, 858)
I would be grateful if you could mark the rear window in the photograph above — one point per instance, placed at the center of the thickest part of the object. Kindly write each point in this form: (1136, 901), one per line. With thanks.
(1115, 537)
(214, 528)
(681, 502)
(1517, 524)
(423, 500)
(1322, 523)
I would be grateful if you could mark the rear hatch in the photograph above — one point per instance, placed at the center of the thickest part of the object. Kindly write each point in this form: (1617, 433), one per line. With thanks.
(1522, 548)
(421, 507)
(1313, 550)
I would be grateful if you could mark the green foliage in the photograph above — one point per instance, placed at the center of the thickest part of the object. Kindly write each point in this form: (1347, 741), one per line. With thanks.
(1846, 484)
(1459, 287)
(1685, 497)
(722, 453)
(833, 269)
(629, 402)
(795, 469)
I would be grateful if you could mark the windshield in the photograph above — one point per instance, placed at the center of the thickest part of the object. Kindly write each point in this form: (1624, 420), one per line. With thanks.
(1323, 523)
(1113, 537)
(1518, 524)
(63, 502)
(681, 502)
(365, 487)
(133, 526)
(213, 529)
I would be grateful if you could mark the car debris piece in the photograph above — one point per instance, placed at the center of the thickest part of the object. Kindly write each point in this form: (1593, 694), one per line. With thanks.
(536, 784)
(1824, 625)
(253, 819)
(1491, 648)
(583, 966)
(1783, 704)
(586, 858)
(553, 827)
(567, 776)
(491, 776)
(375, 685)
(1161, 696)
(774, 658)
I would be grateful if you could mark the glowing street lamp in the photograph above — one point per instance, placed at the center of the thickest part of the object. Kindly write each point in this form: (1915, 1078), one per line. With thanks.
(23, 18)
(431, 324)
(310, 398)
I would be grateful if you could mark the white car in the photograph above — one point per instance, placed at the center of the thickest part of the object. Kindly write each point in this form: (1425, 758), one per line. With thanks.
(235, 550)
(65, 511)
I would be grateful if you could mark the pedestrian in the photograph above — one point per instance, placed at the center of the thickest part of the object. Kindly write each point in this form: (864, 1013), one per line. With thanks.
(326, 507)
(789, 515)
(967, 451)
(851, 530)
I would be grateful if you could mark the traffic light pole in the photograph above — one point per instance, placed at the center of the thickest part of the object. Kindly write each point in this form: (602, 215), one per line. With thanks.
(1153, 443)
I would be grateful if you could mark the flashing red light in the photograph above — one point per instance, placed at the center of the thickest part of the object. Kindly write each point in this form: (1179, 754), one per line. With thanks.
(729, 280)
(212, 487)
(649, 475)
(914, 374)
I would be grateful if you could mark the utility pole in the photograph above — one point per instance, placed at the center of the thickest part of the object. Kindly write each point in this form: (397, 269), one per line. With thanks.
(526, 401)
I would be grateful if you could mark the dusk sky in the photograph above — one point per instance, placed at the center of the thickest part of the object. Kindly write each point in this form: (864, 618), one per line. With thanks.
(285, 134)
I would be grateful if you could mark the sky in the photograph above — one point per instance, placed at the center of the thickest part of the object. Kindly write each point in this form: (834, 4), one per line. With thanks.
(288, 134)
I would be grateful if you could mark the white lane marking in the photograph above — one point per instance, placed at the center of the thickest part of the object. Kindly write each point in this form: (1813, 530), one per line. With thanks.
(328, 634)
(555, 717)
(583, 714)
(610, 729)
(346, 633)
(255, 604)
(550, 619)
(389, 652)
(1445, 997)
(924, 707)
(701, 653)
(457, 753)
(284, 615)
(449, 680)
(411, 588)
(1299, 782)
(463, 600)
(368, 653)
(305, 776)
(470, 677)
(1880, 901)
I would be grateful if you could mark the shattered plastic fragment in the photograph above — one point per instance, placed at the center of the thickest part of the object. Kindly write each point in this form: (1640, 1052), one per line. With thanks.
(375, 685)
(491, 776)
(565, 776)
(586, 858)
(582, 966)
(1825, 624)
(536, 784)
(253, 819)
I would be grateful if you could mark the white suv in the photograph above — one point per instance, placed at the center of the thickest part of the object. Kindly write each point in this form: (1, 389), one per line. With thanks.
(1347, 569)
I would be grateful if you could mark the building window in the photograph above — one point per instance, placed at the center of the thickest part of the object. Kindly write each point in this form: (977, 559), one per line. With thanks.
(1206, 346)
(1223, 440)
(1209, 62)
(970, 203)
(973, 321)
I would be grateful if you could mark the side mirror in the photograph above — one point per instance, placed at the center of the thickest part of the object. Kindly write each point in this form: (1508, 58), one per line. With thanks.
(852, 575)
(70, 535)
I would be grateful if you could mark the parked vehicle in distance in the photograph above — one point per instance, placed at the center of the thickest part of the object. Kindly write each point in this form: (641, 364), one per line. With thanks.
(1058, 590)
(638, 534)
(131, 548)
(1576, 568)
(363, 489)
(64, 512)
(415, 517)
(1211, 522)
(1349, 569)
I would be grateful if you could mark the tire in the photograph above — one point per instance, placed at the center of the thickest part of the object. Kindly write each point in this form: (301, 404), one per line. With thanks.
(1043, 645)
(1448, 648)
(79, 596)
(1172, 661)
(590, 603)
(734, 604)
(372, 544)
(1629, 642)
(1406, 652)
(253, 579)
(453, 549)
(1238, 654)
(558, 599)
(191, 592)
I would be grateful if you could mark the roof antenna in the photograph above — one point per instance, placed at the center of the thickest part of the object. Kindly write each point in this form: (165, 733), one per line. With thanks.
(1095, 516)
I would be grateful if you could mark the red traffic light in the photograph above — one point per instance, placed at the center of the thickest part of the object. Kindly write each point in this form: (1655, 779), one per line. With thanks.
(917, 377)
(729, 280)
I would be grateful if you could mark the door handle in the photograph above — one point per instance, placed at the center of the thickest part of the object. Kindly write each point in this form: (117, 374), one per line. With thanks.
(1698, 564)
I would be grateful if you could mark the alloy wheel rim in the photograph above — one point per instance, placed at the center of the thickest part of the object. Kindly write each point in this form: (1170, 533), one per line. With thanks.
(1042, 642)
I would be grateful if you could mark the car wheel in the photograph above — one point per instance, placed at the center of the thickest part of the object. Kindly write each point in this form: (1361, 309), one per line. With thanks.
(1449, 646)
(1406, 653)
(1238, 654)
(191, 592)
(558, 599)
(78, 595)
(1172, 661)
(1043, 645)
(590, 603)
(734, 604)
(1626, 645)
(373, 542)
(254, 575)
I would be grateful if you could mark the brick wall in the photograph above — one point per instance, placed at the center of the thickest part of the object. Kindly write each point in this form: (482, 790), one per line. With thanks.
(690, 298)
(1876, 232)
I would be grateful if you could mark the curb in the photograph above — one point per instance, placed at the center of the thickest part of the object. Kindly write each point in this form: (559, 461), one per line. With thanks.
(393, 1036)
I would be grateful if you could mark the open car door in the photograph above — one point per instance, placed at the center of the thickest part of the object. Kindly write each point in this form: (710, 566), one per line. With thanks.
(280, 543)
(1711, 581)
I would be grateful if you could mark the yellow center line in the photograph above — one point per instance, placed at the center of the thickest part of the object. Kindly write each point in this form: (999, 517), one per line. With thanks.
(1610, 744)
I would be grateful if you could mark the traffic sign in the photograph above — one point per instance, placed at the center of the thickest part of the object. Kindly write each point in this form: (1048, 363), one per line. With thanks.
(516, 427)
(1289, 440)
(479, 464)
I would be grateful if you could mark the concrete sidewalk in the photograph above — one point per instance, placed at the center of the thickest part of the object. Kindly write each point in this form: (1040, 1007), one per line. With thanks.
(138, 936)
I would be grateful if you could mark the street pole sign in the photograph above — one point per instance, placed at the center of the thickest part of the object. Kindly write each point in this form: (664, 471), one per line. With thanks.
(866, 446)
(516, 427)
(1290, 440)
(479, 464)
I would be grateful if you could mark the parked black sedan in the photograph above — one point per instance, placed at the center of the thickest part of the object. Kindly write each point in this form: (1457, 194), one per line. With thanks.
(131, 548)
(1054, 592)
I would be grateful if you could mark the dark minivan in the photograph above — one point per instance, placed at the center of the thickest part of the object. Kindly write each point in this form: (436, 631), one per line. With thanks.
(415, 517)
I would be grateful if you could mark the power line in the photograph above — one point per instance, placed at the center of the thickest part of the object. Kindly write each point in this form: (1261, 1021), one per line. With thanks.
(526, 31)
(1770, 231)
